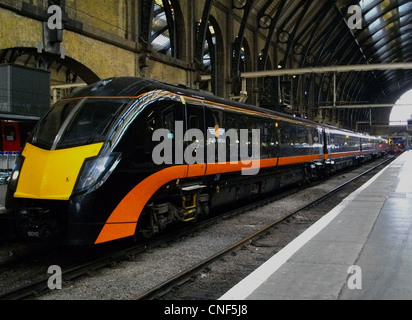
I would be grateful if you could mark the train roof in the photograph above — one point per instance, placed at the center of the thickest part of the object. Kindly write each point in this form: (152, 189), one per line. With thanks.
(135, 86)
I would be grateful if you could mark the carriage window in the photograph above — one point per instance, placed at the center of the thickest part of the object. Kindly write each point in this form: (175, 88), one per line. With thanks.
(169, 120)
(290, 138)
(137, 142)
(214, 118)
(10, 133)
(195, 117)
(194, 122)
(268, 139)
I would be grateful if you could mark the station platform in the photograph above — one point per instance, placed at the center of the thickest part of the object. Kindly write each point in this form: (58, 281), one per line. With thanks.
(361, 250)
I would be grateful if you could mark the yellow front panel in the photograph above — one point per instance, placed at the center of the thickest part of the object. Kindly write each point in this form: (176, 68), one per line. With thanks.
(52, 174)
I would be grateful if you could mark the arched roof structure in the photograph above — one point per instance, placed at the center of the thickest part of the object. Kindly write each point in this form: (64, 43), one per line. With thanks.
(320, 33)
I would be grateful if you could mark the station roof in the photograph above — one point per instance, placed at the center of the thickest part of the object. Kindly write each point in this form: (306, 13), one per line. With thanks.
(317, 33)
(298, 34)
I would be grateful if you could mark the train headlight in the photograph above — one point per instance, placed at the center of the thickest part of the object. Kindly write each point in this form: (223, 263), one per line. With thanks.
(16, 172)
(96, 171)
(15, 175)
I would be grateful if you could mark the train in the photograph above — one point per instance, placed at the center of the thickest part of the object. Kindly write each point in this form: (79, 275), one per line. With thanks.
(13, 134)
(409, 124)
(128, 157)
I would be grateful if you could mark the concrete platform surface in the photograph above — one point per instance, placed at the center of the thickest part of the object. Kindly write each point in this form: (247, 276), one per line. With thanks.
(362, 249)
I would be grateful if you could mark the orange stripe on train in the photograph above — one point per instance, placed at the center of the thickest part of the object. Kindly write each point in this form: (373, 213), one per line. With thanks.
(122, 222)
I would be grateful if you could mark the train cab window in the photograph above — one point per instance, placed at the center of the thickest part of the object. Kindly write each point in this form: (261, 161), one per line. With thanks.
(48, 128)
(91, 122)
(76, 123)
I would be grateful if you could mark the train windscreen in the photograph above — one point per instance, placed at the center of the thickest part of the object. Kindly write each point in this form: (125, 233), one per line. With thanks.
(74, 123)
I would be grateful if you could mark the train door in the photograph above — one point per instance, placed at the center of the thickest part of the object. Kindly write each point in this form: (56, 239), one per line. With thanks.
(215, 127)
(195, 149)
(326, 144)
(11, 140)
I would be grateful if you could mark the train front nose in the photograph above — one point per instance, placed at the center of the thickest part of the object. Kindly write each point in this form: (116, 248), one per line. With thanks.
(41, 186)
(40, 223)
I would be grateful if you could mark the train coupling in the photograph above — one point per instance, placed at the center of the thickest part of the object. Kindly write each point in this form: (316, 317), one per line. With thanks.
(38, 223)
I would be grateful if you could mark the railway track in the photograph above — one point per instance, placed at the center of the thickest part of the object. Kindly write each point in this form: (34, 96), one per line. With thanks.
(116, 254)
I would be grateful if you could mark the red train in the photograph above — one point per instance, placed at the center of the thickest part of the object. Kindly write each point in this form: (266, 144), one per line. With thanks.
(14, 134)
